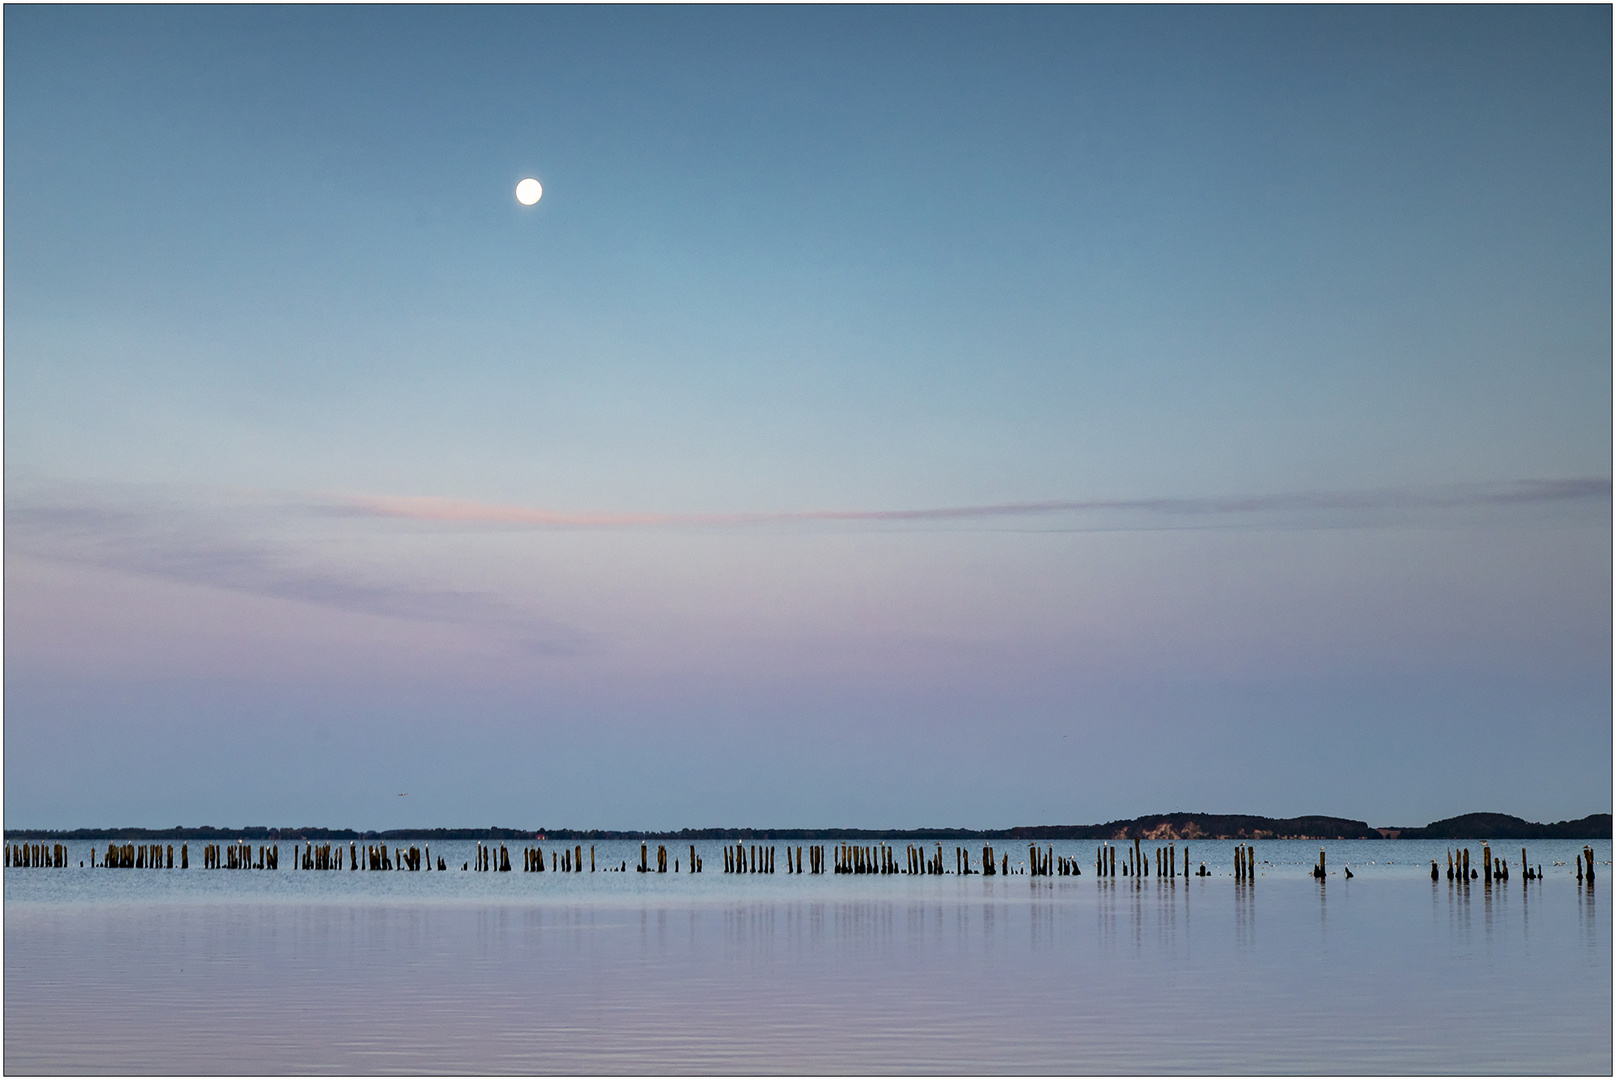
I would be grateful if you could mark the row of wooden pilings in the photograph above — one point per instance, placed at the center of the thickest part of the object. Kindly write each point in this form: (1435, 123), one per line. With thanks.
(1045, 863)
(1497, 869)
(1494, 868)
(36, 855)
(846, 859)
(661, 867)
(142, 857)
(876, 859)
(1138, 862)
(738, 859)
(570, 861)
(758, 859)
(238, 856)
(488, 858)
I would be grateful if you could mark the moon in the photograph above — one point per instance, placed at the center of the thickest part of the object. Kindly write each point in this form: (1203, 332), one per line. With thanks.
(528, 191)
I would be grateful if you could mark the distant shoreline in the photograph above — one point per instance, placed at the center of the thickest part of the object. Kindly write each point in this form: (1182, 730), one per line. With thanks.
(1179, 826)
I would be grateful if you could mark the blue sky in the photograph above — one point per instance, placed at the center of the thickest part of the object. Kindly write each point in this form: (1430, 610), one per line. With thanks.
(1261, 358)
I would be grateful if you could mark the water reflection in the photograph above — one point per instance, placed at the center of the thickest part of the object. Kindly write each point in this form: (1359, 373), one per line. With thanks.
(1487, 913)
(1105, 912)
(1588, 908)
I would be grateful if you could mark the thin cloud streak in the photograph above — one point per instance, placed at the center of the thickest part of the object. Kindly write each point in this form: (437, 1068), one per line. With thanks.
(1589, 490)
(183, 544)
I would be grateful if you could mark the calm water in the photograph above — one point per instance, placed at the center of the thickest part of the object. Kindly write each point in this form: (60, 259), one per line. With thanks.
(137, 971)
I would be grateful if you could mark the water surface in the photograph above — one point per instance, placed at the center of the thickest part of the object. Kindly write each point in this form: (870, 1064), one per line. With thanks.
(139, 971)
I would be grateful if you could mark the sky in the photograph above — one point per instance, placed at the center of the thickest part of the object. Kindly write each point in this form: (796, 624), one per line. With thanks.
(888, 417)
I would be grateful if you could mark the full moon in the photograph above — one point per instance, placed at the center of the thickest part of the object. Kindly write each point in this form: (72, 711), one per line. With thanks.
(528, 192)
